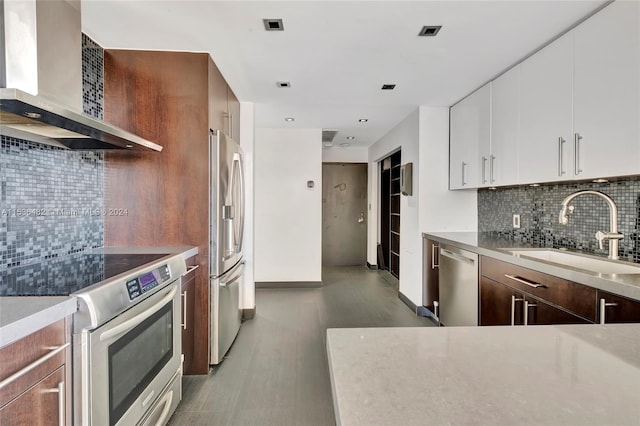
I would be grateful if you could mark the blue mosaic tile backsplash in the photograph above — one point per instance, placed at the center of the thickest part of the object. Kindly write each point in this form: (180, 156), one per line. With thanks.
(539, 208)
(92, 78)
(51, 199)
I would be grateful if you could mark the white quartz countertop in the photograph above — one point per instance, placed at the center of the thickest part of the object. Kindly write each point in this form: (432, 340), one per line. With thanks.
(23, 315)
(544, 375)
(489, 244)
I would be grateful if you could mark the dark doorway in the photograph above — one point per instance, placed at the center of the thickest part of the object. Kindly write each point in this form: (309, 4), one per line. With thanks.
(390, 213)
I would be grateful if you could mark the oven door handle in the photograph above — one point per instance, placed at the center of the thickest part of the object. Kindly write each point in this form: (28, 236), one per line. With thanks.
(131, 323)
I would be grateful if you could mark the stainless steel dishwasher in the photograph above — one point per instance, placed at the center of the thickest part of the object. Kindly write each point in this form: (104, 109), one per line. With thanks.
(458, 287)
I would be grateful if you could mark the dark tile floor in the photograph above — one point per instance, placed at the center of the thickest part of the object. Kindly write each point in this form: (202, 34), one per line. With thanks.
(276, 371)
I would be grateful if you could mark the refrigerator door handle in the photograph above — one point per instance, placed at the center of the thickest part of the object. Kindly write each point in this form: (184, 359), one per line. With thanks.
(238, 273)
(241, 211)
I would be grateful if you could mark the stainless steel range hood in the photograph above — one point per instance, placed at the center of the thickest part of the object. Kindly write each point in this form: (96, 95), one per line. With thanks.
(41, 79)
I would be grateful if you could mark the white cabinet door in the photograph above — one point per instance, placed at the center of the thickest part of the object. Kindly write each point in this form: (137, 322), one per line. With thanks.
(607, 92)
(503, 160)
(545, 151)
(470, 128)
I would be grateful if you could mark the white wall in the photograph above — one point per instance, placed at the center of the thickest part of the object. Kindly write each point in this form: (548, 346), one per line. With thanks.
(441, 209)
(247, 120)
(405, 136)
(352, 154)
(424, 139)
(288, 215)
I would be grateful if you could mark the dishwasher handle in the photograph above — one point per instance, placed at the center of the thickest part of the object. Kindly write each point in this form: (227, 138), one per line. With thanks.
(455, 256)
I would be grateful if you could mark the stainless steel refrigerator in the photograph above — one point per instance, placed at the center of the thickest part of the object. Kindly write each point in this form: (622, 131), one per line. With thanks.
(226, 233)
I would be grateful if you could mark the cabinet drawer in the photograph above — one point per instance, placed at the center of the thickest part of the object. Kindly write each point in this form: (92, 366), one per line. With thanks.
(26, 351)
(42, 404)
(574, 297)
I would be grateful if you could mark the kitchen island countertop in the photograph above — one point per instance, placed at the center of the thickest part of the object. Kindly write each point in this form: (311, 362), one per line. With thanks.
(560, 375)
(494, 245)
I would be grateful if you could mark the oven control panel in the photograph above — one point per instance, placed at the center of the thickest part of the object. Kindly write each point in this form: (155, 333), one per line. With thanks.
(148, 281)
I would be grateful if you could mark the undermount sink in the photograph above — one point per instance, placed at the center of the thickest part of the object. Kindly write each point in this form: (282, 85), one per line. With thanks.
(579, 261)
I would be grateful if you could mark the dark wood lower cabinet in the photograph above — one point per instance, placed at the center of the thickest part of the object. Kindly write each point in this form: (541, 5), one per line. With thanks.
(617, 309)
(541, 313)
(39, 405)
(496, 301)
(430, 273)
(40, 391)
(503, 305)
(188, 320)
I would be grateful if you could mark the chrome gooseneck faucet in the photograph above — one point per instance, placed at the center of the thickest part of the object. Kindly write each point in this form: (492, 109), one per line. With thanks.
(612, 236)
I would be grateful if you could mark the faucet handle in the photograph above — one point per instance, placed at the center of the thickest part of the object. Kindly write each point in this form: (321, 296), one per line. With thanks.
(601, 236)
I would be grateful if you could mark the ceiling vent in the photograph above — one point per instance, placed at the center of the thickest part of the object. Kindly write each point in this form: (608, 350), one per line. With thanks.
(328, 136)
(388, 86)
(273, 24)
(430, 30)
(283, 84)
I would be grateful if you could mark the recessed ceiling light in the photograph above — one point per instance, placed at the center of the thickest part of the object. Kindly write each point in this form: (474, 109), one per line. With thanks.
(32, 114)
(600, 180)
(388, 86)
(273, 24)
(129, 146)
(351, 138)
(429, 30)
(534, 185)
(363, 120)
(289, 119)
(344, 144)
(283, 84)
(493, 188)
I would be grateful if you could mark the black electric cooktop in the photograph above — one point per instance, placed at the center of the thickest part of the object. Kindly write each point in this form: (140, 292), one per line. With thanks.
(63, 276)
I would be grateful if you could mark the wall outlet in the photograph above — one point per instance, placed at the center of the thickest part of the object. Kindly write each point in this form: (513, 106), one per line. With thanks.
(516, 221)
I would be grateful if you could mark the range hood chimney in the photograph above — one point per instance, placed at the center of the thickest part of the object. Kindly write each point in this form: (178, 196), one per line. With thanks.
(41, 79)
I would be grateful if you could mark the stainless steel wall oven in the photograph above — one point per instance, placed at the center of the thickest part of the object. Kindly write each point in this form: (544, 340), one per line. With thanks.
(127, 342)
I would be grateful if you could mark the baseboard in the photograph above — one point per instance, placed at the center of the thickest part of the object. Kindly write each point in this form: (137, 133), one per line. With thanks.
(372, 267)
(248, 314)
(289, 284)
(408, 302)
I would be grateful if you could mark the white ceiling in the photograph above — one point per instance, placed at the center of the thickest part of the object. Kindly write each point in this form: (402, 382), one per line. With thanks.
(337, 54)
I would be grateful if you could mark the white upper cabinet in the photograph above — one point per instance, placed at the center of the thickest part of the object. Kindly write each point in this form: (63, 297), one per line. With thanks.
(545, 150)
(470, 129)
(502, 160)
(607, 93)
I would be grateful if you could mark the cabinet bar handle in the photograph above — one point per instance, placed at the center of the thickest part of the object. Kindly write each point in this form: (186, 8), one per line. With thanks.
(463, 175)
(190, 270)
(561, 142)
(491, 173)
(61, 404)
(434, 265)
(34, 364)
(576, 148)
(184, 310)
(603, 306)
(436, 309)
(513, 309)
(527, 305)
(526, 282)
(484, 169)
